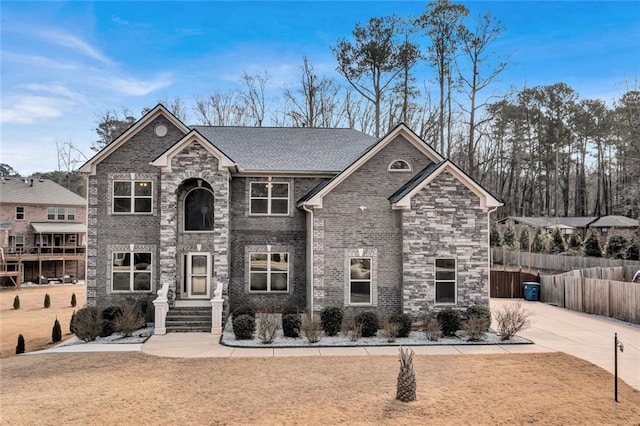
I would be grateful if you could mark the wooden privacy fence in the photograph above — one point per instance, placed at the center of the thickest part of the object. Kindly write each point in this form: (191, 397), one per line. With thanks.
(509, 283)
(593, 292)
(555, 262)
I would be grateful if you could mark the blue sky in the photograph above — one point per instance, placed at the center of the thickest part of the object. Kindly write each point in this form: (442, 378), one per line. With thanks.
(64, 62)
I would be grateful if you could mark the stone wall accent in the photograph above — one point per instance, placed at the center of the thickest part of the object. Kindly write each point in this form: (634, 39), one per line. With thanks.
(194, 162)
(445, 220)
(341, 224)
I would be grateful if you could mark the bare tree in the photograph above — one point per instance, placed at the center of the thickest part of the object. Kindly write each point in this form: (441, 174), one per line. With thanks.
(222, 109)
(254, 96)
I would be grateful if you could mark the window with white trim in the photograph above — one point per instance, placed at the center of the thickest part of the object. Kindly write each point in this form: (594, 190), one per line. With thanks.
(61, 213)
(269, 272)
(20, 213)
(269, 198)
(360, 281)
(399, 166)
(132, 196)
(131, 271)
(445, 280)
(17, 243)
(198, 210)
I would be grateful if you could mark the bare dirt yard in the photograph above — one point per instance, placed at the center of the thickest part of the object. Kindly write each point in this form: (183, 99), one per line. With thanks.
(134, 388)
(32, 320)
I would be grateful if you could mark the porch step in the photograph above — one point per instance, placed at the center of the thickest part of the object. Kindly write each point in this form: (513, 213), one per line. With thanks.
(186, 319)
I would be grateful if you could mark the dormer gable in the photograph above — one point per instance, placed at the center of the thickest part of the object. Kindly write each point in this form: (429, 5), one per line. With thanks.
(89, 168)
(163, 162)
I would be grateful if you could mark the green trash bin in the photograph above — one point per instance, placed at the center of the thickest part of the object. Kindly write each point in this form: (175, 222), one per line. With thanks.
(531, 291)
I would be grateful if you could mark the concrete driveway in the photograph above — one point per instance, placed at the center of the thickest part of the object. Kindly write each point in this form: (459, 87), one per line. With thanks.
(585, 336)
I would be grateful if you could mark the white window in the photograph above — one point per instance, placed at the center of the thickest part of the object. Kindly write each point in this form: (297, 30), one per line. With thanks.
(360, 281)
(18, 243)
(131, 271)
(71, 213)
(198, 210)
(269, 272)
(61, 213)
(445, 281)
(399, 166)
(19, 213)
(132, 196)
(269, 198)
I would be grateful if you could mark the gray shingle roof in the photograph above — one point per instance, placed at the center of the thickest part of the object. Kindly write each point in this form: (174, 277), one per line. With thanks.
(15, 190)
(413, 182)
(302, 149)
(615, 222)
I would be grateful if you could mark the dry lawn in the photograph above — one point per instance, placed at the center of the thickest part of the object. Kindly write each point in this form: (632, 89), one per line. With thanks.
(32, 320)
(134, 388)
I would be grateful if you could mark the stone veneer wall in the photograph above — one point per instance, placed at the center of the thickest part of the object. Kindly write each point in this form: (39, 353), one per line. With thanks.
(194, 162)
(445, 220)
(342, 229)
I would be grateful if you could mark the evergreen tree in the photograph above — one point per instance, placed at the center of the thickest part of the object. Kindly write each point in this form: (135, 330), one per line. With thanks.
(524, 239)
(16, 302)
(56, 333)
(509, 237)
(73, 300)
(495, 236)
(539, 241)
(616, 247)
(575, 241)
(20, 345)
(557, 246)
(592, 246)
(47, 301)
(633, 251)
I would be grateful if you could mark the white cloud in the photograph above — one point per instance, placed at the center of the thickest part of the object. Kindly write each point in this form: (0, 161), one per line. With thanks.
(65, 39)
(133, 87)
(37, 61)
(30, 109)
(55, 89)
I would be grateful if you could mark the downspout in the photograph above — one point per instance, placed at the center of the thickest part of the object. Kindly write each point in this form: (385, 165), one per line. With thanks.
(489, 211)
(310, 262)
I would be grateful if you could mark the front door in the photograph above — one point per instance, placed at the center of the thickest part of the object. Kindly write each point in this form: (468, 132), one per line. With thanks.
(198, 275)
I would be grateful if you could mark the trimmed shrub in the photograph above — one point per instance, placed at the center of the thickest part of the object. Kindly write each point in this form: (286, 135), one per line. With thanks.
(244, 326)
(88, 323)
(369, 322)
(449, 321)
(56, 332)
(291, 310)
(331, 319)
(74, 302)
(481, 312)
(47, 301)
(291, 324)
(20, 345)
(16, 302)
(244, 310)
(72, 326)
(109, 317)
(404, 321)
(432, 328)
(129, 319)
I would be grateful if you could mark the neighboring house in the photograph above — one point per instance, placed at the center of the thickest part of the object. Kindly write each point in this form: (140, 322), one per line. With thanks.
(306, 217)
(42, 230)
(603, 226)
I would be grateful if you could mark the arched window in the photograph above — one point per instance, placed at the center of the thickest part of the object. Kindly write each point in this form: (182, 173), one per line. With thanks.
(399, 166)
(198, 210)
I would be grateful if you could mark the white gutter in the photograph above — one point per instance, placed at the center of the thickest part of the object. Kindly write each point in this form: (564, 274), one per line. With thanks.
(310, 259)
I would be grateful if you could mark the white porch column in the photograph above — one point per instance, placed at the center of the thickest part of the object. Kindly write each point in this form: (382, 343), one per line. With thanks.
(216, 310)
(162, 307)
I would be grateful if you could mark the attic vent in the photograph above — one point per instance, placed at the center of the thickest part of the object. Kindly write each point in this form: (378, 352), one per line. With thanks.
(161, 130)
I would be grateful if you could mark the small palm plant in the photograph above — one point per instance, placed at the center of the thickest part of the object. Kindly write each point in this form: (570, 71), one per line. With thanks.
(406, 388)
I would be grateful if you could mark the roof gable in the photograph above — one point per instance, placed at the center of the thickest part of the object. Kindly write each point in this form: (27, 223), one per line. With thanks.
(37, 191)
(90, 166)
(400, 130)
(401, 200)
(163, 162)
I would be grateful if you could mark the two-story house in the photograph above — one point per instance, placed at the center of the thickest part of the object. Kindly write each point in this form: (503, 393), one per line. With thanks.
(306, 217)
(42, 231)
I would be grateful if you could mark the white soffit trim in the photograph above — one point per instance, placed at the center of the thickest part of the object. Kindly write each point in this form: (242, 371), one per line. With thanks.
(164, 161)
(90, 166)
(487, 201)
(400, 130)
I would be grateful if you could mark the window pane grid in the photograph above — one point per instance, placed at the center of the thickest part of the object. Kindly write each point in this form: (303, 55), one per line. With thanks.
(269, 198)
(269, 272)
(131, 271)
(445, 280)
(360, 281)
(132, 196)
